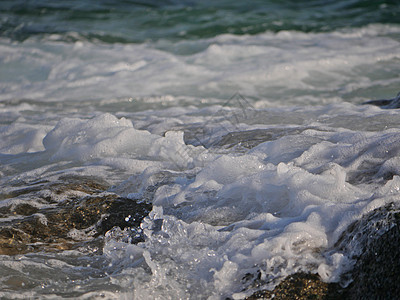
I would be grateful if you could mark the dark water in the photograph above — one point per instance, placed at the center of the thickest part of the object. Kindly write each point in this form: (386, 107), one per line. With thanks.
(139, 21)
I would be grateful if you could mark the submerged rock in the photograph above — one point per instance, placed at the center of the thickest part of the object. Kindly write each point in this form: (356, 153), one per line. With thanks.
(78, 218)
(251, 138)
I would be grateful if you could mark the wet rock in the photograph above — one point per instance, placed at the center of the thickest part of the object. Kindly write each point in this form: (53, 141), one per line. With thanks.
(25, 209)
(300, 286)
(78, 218)
(84, 184)
(374, 243)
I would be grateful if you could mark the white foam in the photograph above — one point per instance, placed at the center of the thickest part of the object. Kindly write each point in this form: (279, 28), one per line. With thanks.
(21, 138)
(106, 136)
(292, 67)
(250, 212)
(218, 213)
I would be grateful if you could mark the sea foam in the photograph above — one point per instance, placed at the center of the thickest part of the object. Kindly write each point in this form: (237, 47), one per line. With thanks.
(264, 186)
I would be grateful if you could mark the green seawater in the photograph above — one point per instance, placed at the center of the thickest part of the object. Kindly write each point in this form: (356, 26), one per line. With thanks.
(126, 21)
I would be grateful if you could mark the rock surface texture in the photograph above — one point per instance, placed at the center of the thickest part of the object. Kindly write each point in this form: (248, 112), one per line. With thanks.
(82, 213)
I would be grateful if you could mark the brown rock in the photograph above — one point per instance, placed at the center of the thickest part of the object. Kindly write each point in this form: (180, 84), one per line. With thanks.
(70, 222)
(300, 286)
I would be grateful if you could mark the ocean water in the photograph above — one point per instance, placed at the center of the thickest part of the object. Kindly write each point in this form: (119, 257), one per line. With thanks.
(243, 119)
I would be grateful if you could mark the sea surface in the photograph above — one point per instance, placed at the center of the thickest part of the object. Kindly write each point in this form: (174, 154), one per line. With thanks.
(243, 117)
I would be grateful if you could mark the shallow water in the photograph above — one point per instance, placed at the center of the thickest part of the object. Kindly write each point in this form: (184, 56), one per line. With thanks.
(241, 125)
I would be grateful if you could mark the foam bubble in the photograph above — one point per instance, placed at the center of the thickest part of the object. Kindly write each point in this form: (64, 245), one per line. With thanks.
(252, 213)
(106, 136)
(21, 138)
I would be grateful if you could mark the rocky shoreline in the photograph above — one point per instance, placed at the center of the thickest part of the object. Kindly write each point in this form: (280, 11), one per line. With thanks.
(87, 211)
(376, 272)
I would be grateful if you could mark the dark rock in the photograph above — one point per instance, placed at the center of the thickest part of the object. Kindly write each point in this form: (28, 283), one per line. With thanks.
(374, 243)
(300, 286)
(25, 209)
(84, 184)
(70, 222)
